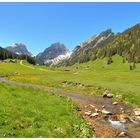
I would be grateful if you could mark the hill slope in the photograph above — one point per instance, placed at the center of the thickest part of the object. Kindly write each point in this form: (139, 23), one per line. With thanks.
(107, 44)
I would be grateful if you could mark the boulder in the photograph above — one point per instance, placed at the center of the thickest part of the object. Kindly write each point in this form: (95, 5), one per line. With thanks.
(137, 111)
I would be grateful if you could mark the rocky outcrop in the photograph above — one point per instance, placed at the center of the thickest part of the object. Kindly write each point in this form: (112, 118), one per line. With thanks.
(82, 52)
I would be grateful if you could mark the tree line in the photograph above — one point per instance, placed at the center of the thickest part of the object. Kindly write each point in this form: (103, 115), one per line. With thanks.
(5, 54)
(125, 44)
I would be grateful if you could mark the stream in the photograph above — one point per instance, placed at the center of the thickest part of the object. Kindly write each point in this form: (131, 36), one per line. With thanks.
(105, 125)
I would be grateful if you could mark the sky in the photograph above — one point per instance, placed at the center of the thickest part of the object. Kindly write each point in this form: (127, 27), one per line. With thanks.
(38, 25)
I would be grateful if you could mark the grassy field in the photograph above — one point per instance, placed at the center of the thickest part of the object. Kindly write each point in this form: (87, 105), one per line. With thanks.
(116, 77)
(26, 112)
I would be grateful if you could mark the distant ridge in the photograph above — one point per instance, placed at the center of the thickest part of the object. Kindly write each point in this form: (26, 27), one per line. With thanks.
(107, 44)
(53, 54)
(18, 48)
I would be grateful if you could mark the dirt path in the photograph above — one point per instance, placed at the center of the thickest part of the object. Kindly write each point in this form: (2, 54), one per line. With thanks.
(108, 124)
(21, 63)
(31, 67)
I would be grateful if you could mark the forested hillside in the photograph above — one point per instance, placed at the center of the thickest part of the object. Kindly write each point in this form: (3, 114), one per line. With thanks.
(125, 44)
(5, 54)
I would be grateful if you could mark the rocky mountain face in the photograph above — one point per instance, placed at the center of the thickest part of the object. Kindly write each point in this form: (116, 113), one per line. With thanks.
(18, 48)
(104, 44)
(81, 51)
(53, 54)
(56, 61)
(107, 44)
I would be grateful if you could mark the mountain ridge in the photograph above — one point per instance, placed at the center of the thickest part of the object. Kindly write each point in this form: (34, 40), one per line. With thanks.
(125, 44)
(18, 48)
(104, 44)
(51, 53)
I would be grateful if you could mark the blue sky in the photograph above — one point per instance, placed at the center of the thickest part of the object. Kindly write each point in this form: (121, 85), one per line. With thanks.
(40, 24)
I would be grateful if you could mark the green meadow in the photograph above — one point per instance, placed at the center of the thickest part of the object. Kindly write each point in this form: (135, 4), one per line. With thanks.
(30, 113)
(116, 77)
(26, 112)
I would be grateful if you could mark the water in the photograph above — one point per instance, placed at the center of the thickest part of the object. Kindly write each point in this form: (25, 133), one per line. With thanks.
(131, 126)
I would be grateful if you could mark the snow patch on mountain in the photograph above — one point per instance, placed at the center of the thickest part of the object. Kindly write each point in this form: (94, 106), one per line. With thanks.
(58, 59)
(18, 48)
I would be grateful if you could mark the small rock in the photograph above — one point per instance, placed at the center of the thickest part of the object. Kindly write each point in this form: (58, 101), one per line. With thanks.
(103, 106)
(88, 113)
(115, 103)
(109, 95)
(138, 117)
(137, 111)
(106, 112)
(122, 134)
(124, 116)
(97, 110)
(105, 94)
(94, 114)
(92, 106)
(121, 108)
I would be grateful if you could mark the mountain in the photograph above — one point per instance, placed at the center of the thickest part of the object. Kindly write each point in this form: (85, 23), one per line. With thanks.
(107, 44)
(82, 51)
(18, 48)
(59, 59)
(5, 54)
(53, 54)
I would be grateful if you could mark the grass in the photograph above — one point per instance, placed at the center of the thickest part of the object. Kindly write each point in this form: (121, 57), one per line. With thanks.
(29, 113)
(116, 77)
(25, 112)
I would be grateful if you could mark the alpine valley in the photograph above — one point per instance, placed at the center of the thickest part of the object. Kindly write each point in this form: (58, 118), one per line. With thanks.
(93, 91)
(104, 44)
(69, 70)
